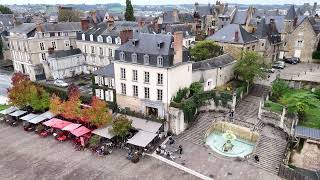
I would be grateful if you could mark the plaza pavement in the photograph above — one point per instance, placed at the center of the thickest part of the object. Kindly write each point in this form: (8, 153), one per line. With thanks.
(26, 156)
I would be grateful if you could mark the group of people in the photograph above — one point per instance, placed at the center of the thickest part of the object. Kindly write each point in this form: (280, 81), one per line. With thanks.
(162, 149)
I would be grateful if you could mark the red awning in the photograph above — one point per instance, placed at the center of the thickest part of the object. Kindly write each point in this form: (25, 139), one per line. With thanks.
(71, 127)
(57, 123)
(80, 131)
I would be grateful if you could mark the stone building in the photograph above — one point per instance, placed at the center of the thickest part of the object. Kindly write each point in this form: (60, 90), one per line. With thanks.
(29, 44)
(213, 72)
(148, 69)
(104, 84)
(233, 38)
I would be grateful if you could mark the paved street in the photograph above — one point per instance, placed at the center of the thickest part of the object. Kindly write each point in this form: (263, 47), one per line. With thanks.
(27, 156)
(5, 80)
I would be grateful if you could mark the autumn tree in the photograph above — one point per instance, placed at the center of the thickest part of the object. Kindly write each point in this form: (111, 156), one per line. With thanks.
(97, 114)
(72, 107)
(121, 126)
(68, 15)
(56, 105)
(20, 92)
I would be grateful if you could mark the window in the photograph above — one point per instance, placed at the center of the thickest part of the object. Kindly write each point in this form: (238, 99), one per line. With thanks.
(160, 79)
(123, 73)
(118, 40)
(160, 61)
(110, 83)
(300, 43)
(146, 59)
(92, 49)
(262, 44)
(146, 93)
(83, 37)
(67, 43)
(146, 77)
(100, 39)
(253, 47)
(134, 58)
(123, 88)
(134, 75)
(135, 91)
(122, 56)
(65, 34)
(41, 46)
(110, 52)
(109, 39)
(43, 56)
(159, 94)
(53, 44)
(91, 37)
(101, 51)
(285, 44)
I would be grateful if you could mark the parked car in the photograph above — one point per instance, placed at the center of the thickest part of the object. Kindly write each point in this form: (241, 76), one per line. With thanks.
(291, 60)
(60, 83)
(296, 59)
(278, 65)
(268, 70)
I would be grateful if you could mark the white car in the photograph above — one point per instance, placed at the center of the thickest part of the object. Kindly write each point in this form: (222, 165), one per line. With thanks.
(60, 83)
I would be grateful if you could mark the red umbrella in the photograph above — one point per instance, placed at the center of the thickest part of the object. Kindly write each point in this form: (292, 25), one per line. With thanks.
(80, 131)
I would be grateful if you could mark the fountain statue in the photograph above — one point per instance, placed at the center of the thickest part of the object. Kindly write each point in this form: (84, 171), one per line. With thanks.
(229, 136)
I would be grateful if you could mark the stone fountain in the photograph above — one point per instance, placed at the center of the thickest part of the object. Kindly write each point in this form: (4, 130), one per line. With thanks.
(229, 137)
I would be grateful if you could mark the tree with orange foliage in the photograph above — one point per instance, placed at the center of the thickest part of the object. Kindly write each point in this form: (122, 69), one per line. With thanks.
(56, 105)
(20, 92)
(97, 114)
(72, 107)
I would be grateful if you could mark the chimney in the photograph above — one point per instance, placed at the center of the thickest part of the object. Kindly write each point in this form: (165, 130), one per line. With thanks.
(94, 17)
(125, 35)
(178, 47)
(236, 36)
(84, 24)
(175, 15)
(110, 23)
(50, 50)
(295, 22)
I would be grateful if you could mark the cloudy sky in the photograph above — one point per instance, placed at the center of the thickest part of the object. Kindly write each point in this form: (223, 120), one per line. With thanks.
(153, 2)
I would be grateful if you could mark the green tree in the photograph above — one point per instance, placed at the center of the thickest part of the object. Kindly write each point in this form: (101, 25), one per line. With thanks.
(121, 126)
(39, 99)
(250, 66)
(68, 15)
(279, 87)
(195, 87)
(205, 50)
(129, 14)
(5, 10)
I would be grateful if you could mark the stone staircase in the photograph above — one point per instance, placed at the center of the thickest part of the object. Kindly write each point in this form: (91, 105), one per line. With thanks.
(196, 132)
(248, 107)
(259, 90)
(270, 152)
(258, 127)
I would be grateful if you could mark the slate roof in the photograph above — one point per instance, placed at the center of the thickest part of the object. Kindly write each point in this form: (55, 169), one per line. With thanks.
(309, 133)
(186, 18)
(291, 14)
(186, 29)
(168, 17)
(267, 31)
(103, 29)
(65, 53)
(147, 44)
(62, 27)
(6, 21)
(240, 17)
(107, 71)
(213, 63)
(24, 28)
(227, 35)
(204, 10)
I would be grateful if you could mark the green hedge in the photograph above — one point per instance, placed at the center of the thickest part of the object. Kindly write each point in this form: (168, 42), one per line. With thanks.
(316, 55)
(274, 107)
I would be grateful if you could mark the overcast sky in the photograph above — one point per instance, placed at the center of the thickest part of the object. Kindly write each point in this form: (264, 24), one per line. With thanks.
(153, 2)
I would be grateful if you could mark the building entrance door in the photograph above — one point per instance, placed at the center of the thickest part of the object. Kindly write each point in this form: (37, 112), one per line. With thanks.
(152, 111)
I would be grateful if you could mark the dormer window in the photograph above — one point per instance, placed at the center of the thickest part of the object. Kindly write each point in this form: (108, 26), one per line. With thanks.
(100, 39)
(160, 61)
(109, 39)
(122, 56)
(146, 59)
(134, 58)
(160, 44)
(83, 37)
(118, 40)
(91, 37)
(135, 42)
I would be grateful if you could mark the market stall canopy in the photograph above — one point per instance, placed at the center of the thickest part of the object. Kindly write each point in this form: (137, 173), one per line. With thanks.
(29, 117)
(80, 131)
(104, 132)
(142, 138)
(9, 110)
(18, 113)
(57, 123)
(41, 117)
(71, 127)
(141, 124)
